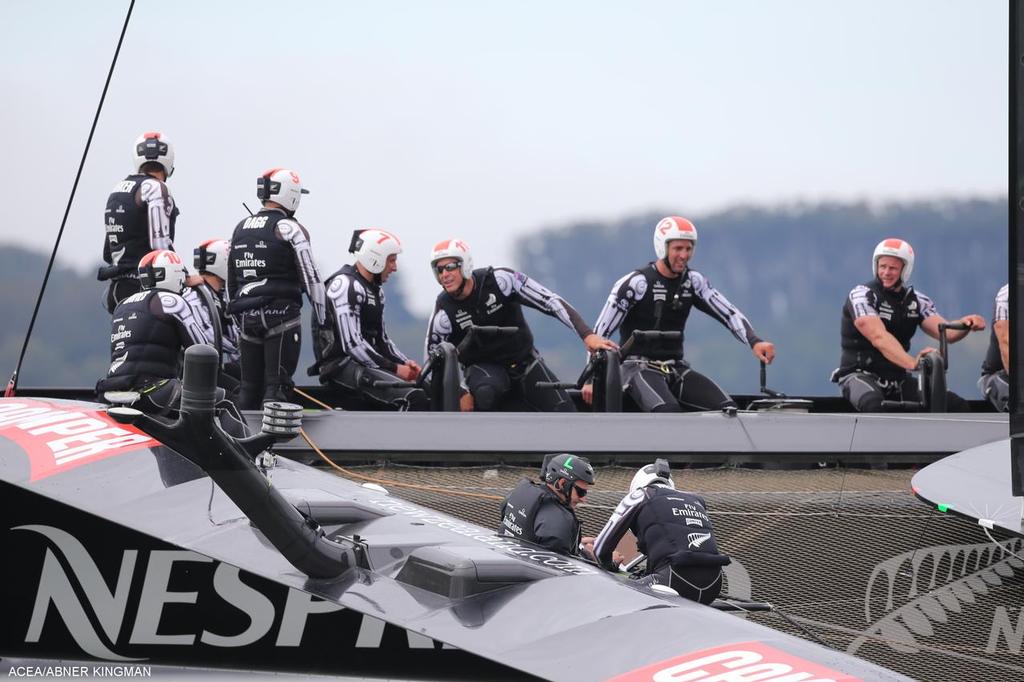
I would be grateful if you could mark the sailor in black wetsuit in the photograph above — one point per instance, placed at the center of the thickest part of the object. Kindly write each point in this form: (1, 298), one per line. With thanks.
(149, 332)
(211, 262)
(494, 297)
(139, 217)
(673, 529)
(354, 350)
(271, 265)
(995, 370)
(659, 298)
(544, 512)
(879, 319)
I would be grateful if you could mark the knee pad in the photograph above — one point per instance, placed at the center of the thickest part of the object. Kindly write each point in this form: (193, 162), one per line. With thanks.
(869, 402)
(417, 401)
(485, 397)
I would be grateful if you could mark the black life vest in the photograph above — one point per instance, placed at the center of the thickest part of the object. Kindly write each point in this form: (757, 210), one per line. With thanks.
(487, 306)
(899, 311)
(665, 306)
(261, 266)
(673, 526)
(127, 226)
(145, 342)
(529, 500)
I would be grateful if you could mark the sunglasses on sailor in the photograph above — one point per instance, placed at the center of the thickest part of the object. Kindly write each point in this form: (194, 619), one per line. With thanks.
(581, 492)
(448, 267)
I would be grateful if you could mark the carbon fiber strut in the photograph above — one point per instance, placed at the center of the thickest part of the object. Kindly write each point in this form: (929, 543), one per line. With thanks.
(198, 437)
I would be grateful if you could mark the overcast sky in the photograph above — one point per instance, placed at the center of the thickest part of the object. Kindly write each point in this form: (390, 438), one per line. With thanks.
(489, 120)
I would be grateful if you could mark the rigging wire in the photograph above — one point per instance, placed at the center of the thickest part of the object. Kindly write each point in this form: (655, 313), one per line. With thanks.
(12, 384)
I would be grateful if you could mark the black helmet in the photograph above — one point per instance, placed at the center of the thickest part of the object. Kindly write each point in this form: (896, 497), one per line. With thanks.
(570, 467)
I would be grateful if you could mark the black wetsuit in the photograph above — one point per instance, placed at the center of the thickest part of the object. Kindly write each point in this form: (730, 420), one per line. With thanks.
(995, 382)
(865, 376)
(271, 264)
(231, 372)
(533, 513)
(355, 351)
(149, 330)
(494, 364)
(673, 530)
(140, 217)
(658, 379)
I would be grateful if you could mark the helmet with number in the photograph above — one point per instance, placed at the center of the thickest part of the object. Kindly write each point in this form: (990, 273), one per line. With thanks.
(653, 474)
(571, 468)
(672, 228)
(211, 257)
(282, 186)
(897, 248)
(453, 248)
(372, 248)
(154, 147)
(162, 269)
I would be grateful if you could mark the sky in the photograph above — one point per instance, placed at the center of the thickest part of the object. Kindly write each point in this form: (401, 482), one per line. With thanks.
(492, 120)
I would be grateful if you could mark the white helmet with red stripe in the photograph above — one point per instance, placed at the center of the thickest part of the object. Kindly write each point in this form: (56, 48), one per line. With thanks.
(153, 147)
(672, 228)
(453, 248)
(282, 186)
(212, 257)
(372, 248)
(162, 269)
(897, 248)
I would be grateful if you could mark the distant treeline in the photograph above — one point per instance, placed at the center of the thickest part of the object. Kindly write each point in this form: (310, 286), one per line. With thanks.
(787, 268)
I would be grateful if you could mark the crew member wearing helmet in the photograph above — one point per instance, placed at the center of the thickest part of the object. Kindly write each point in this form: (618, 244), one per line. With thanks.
(879, 319)
(995, 370)
(139, 217)
(659, 297)
(672, 528)
(271, 265)
(353, 350)
(544, 512)
(207, 297)
(149, 332)
(495, 297)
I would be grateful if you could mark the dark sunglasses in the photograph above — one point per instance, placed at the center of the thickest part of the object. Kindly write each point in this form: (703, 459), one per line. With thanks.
(582, 492)
(448, 267)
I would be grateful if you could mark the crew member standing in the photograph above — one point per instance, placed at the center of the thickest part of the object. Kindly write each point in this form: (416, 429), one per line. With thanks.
(271, 266)
(139, 217)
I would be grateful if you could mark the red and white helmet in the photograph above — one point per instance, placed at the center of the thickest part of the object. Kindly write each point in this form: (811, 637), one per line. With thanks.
(212, 257)
(896, 248)
(153, 147)
(671, 228)
(372, 248)
(162, 269)
(282, 186)
(453, 248)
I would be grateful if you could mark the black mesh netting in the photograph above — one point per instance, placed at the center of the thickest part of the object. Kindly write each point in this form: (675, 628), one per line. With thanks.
(848, 556)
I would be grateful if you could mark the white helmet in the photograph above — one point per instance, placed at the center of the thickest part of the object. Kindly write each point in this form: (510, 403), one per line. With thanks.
(162, 269)
(653, 474)
(154, 147)
(896, 248)
(453, 248)
(282, 186)
(671, 228)
(212, 257)
(372, 248)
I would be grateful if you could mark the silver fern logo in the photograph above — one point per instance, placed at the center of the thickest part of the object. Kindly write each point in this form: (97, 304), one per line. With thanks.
(698, 539)
(942, 580)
